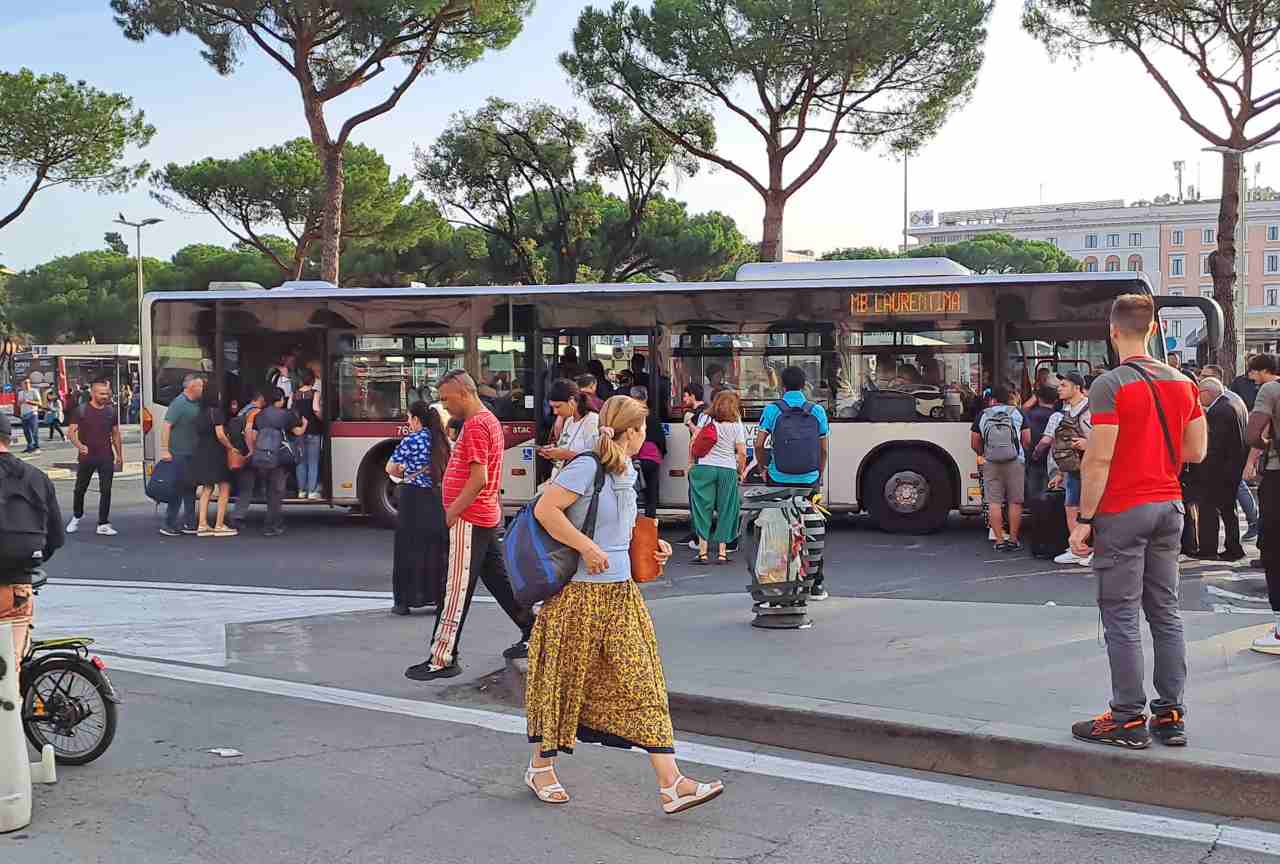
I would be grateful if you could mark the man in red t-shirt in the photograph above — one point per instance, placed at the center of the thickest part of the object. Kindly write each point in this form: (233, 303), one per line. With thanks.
(1147, 422)
(473, 514)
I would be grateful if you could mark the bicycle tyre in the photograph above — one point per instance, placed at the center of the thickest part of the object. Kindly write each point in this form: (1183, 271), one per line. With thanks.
(86, 670)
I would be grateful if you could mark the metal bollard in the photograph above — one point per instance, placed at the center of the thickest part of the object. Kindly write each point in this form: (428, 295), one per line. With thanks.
(15, 770)
(16, 773)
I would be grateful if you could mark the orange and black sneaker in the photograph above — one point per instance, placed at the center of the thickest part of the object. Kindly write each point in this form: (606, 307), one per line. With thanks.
(1168, 728)
(1105, 729)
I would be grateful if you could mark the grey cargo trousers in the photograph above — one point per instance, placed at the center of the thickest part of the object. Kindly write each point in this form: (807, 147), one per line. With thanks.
(1135, 559)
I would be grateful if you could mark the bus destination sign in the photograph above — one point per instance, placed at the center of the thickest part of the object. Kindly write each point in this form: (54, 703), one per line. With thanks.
(909, 302)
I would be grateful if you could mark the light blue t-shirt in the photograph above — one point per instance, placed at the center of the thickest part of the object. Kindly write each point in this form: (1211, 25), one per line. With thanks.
(615, 518)
(769, 417)
(1015, 417)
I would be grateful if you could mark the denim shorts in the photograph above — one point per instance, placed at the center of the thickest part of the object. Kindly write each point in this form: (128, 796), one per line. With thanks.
(1071, 482)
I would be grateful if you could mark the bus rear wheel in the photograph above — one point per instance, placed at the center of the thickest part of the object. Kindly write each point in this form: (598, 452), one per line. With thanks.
(908, 492)
(380, 497)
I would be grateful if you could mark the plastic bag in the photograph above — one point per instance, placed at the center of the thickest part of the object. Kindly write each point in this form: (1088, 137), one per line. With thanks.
(773, 556)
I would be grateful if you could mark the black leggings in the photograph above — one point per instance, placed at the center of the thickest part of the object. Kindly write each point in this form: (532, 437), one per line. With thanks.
(650, 471)
(84, 473)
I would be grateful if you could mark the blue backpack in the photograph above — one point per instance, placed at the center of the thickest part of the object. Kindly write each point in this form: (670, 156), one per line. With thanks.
(797, 439)
(538, 565)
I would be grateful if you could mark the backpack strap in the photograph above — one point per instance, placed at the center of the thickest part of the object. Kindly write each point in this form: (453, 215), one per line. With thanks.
(593, 509)
(1155, 397)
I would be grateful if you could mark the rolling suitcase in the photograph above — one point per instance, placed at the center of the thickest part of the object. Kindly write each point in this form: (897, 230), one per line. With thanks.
(1049, 524)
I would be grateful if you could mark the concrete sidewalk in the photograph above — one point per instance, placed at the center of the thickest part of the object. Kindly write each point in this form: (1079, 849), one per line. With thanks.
(973, 689)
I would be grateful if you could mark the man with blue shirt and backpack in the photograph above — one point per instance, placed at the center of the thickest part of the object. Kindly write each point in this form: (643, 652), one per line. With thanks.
(799, 433)
(998, 441)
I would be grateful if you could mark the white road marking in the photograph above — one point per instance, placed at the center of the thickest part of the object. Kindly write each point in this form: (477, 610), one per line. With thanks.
(1070, 571)
(1227, 609)
(914, 788)
(1215, 591)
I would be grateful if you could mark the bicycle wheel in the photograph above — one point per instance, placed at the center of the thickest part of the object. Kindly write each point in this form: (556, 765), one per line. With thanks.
(65, 705)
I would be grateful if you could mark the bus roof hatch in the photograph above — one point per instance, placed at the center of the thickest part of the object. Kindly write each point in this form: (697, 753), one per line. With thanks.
(873, 268)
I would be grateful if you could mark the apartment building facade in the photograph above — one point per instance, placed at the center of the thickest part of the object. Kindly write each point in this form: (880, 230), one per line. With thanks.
(1170, 243)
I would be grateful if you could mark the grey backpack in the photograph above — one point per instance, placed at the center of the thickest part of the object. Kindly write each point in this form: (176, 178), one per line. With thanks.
(1000, 438)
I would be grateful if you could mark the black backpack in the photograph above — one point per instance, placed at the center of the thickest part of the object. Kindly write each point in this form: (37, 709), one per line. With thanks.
(23, 516)
(236, 425)
(797, 439)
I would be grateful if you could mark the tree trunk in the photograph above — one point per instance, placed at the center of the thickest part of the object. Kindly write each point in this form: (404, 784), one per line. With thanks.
(331, 221)
(771, 247)
(1224, 270)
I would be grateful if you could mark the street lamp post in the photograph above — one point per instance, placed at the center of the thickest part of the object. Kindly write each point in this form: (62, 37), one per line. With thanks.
(137, 226)
(1242, 286)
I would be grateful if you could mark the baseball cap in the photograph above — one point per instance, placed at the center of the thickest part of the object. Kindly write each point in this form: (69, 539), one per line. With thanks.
(6, 428)
(1074, 377)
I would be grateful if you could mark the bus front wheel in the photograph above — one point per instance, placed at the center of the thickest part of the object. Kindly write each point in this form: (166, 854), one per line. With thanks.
(908, 492)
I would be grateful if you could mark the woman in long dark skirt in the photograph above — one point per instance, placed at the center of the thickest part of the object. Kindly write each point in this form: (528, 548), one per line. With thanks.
(422, 549)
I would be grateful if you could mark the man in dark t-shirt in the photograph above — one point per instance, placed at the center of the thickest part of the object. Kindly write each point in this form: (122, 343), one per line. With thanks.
(95, 431)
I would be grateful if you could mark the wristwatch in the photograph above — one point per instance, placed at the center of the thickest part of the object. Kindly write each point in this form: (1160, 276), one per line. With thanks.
(1084, 520)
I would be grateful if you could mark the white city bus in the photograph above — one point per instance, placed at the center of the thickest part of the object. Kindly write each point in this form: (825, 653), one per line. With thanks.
(899, 353)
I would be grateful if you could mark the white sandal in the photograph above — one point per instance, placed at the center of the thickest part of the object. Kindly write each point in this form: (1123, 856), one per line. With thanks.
(679, 803)
(544, 794)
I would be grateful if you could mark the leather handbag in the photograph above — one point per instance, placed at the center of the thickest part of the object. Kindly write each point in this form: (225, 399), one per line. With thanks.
(644, 548)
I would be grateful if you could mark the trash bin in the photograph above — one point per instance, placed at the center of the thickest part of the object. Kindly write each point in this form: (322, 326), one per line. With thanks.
(781, 556)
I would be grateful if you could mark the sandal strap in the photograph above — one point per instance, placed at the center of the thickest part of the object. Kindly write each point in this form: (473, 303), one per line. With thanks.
(673, 791)
(542, 770)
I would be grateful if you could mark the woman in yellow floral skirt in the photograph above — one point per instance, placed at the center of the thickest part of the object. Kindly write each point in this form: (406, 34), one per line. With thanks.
(594, 670)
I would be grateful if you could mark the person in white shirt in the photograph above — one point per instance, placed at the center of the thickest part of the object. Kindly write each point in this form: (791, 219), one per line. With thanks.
(579, 425)
(714, 480)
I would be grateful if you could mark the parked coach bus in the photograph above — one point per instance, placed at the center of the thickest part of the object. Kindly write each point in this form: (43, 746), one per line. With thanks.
(899, 352)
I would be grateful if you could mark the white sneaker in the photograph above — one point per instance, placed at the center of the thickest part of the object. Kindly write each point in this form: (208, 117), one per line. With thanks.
(106, 530)
(1269, 644)
(74, 525)
(1068, 557)
(1085, 562)
(316, 495)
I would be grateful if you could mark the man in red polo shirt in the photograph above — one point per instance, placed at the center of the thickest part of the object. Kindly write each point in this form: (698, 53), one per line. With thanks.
(473, 514)
(1147, 421)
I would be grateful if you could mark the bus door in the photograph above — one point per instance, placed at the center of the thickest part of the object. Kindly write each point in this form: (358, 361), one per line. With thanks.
(505, 383)
(625, 356)
(1039, 352)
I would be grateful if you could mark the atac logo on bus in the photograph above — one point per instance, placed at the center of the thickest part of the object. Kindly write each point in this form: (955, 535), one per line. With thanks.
(914, 302)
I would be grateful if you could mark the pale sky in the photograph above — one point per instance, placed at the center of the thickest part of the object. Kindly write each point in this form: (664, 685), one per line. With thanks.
(1102, 131)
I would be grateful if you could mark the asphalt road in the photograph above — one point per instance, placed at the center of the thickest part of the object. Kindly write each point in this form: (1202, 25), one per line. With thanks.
(329, 548)
(325, 783)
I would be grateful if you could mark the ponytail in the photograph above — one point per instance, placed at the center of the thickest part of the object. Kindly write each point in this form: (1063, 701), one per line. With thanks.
(618, 415)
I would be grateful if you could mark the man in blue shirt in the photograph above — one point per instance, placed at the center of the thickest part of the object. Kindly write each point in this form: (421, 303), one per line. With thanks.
(793, 383)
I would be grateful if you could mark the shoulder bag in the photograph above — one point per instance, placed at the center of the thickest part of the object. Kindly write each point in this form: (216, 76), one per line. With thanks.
(538, 565)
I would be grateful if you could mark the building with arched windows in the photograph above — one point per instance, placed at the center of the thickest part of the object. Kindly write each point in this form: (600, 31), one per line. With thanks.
(1170, 243)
